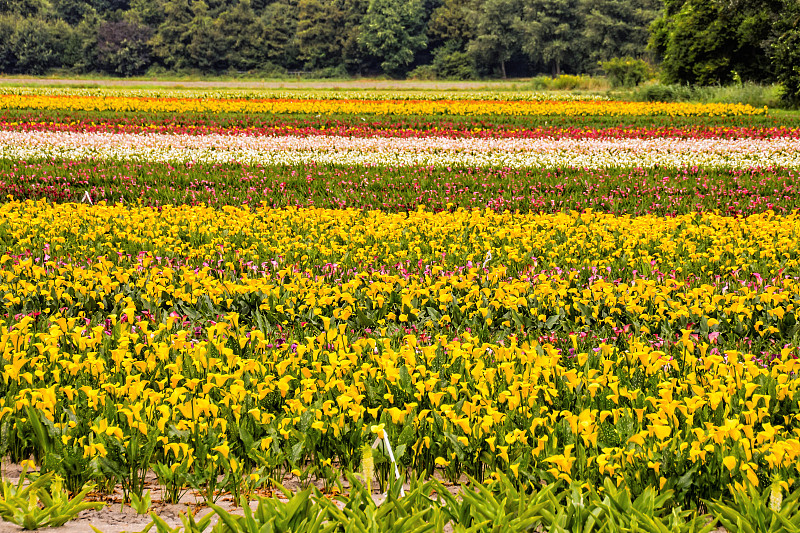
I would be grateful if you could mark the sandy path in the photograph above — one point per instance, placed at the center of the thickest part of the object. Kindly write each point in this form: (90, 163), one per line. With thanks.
(114, 518)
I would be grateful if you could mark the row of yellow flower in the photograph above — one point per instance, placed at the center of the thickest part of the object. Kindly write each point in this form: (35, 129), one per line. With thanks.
(632, 413)
(301, 94)
(251, 239)
(492, 303)
(575, 374)
(373, 107)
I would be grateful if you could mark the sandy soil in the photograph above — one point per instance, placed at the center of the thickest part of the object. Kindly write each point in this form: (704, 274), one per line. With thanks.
(114, 518)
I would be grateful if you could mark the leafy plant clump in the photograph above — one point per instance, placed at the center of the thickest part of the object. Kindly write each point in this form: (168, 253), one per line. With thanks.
(41, 502)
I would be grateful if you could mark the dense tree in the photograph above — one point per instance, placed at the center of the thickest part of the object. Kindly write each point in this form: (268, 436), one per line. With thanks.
(280, 25)
(785, 53)
(394, 31)
(451, 25)
(148, 12)
(39, 46)
(615, 28)
(319, 38)
(123, 48)
(109, 7)
(696, 41)
(172, 39)
(22, 8)
(73, 11)
(207, 49)
(355, 57)
(450, 30)
(708, 41)
(243, 33)
(8, 59)
(497, 32)
(549, 30)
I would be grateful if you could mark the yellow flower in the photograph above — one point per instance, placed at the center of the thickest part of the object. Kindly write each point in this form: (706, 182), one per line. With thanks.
(222, 449)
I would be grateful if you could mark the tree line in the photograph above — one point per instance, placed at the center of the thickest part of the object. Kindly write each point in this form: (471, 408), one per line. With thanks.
(443, 38)
(692, 41)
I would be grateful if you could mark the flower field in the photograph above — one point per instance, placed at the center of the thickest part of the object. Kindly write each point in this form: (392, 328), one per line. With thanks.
(239, 295)
(354, 103)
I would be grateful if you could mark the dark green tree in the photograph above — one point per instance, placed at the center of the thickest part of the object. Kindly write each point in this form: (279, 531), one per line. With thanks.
(320, 40)
(123, 48)
(39, 46)
(549, 30)
(497, 33)
(450, 29)
(173, 37)
(8, 57)
(72, 11)
(107, 8)
(207, 51)
(451, 24)
(23, 8)
(616, 28)
(355, 57)
(280, 25)
(243, 34)
(148, 12)
(393, 32)
(709, 41)
(786, 53)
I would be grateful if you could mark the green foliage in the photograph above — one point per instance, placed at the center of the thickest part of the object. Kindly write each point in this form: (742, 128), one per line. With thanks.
(696, 44)
(566, 82)
(73, 11)
(448, 63)
(548, 29)
(499, 505)
(129, 462)
(172, 479)
(278, 43)
(454, 65)
(141, 504)
(37, 45)
(614, 28)
(700, 41)
(751, 512)
(450, 26)
(319, 37)
(706, 42)
(190, 525)
(299, 513)
(747, 93)
(786, 58)
(171, 41)
(497, 36)
(61, 450)
(393, 32)
(242, 33)
(626, 71)
(658, 92)
(123, 48)
(417, 511)
(42, 502)
(8, 59)
(22, 8)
